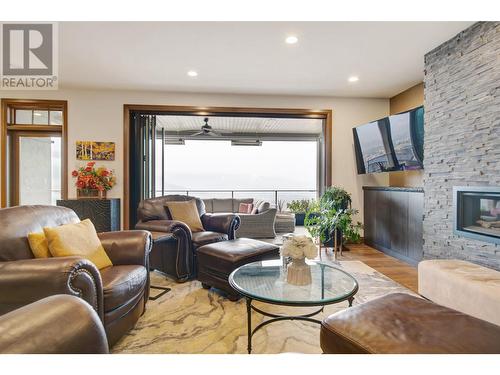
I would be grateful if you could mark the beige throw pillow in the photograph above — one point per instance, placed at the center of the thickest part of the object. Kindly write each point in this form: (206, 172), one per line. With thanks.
(187, 212)
(78, 239)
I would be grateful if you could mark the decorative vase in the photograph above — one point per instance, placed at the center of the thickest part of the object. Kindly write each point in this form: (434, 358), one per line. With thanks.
(90, 194)
(299, 272)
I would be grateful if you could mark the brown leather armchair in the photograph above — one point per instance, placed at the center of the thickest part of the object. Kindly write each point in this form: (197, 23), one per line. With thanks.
(118, 294)
(178, 250)
(48, 327)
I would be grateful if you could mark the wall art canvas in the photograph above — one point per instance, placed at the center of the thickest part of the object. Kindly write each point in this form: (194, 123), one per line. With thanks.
(91, 150)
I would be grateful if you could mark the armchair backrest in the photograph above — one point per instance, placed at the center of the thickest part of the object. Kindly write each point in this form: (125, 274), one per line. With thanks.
(17, 222)
(154, 208)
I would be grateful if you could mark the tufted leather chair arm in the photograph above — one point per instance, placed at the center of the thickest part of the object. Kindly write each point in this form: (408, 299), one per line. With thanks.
(58, 324)
(182, 234)
(221, 223)
(28, 280)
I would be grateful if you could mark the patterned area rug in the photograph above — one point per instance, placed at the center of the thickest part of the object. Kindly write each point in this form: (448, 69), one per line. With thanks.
(192, 320)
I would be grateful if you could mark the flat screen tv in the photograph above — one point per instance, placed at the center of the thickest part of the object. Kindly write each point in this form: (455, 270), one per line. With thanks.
(394, 143)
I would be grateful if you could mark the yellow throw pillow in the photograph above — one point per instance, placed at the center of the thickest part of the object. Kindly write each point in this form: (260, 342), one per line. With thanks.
(187, 212)
(78, 239)
(38, 244)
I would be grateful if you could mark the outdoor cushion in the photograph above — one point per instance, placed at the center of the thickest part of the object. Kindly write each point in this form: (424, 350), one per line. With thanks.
(222, 205)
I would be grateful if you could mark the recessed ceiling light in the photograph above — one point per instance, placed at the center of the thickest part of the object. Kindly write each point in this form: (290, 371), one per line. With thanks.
(353, 79)
(192, 73)
(291, 39)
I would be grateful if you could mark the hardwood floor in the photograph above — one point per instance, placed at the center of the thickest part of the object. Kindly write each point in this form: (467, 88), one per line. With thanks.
(393, 268)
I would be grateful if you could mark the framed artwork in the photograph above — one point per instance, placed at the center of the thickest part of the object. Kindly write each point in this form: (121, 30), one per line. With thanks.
(91, 150)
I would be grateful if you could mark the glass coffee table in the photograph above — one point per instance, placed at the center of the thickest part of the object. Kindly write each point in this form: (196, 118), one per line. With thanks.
(265, 281)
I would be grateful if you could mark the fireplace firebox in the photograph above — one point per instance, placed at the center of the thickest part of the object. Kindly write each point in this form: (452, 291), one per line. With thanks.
(477, 213)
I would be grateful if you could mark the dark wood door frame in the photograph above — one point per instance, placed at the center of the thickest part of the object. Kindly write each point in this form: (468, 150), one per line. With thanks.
(6, 105)
(324, 114)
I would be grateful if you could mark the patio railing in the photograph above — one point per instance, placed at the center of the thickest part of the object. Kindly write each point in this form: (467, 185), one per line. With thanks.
(272, 196)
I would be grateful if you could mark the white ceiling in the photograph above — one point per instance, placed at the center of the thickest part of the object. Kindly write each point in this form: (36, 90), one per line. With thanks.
(250, 57)
(248, 125)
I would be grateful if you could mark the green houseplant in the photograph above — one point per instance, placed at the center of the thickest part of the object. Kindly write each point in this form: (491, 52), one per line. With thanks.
(335, 215)
(300, 206)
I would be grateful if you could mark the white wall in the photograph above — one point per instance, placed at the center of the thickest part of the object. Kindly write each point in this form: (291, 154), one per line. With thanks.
(98, 115)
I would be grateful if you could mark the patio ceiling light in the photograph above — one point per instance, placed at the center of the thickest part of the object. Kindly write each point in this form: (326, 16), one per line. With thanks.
(246, 142)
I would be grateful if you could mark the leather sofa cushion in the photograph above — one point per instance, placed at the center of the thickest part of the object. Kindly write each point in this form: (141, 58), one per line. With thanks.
(17, 222)
(121, 284)
(206, 237)
(151, 209)
(403, 324)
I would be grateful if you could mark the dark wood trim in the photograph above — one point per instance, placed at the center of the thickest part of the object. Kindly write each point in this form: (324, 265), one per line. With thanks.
(126, 165)
(8, 104)
(325, 114)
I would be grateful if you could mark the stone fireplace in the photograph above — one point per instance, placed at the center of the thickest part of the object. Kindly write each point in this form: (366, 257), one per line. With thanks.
(477, 213)
(462, 147)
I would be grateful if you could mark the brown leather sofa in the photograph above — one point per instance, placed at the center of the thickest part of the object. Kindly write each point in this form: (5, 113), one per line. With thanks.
(118, 294)
(181, 246)
(48, 327)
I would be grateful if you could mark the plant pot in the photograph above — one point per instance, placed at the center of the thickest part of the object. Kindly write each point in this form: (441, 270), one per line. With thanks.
(90, 194)
(299, 272)
(299, 218)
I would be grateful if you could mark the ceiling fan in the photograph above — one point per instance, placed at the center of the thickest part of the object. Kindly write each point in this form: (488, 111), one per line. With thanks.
(206, 130)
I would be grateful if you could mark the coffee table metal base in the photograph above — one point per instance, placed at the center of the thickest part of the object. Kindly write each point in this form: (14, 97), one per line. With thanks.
(277, 318)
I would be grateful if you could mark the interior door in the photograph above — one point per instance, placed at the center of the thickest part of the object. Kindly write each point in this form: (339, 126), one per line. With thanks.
(36, 167)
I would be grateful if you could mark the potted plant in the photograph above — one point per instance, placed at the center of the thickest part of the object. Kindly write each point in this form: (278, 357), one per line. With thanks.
(92, 182)
(335, 216)
(300, 207)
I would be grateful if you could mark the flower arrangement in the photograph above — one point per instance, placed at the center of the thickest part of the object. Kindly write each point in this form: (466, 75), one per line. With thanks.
(298, 247)
(89, 177)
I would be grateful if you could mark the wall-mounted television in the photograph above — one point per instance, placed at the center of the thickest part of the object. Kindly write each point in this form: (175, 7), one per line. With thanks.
(394, 143)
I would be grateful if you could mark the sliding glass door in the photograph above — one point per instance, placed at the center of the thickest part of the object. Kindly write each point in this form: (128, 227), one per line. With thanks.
(273, 159)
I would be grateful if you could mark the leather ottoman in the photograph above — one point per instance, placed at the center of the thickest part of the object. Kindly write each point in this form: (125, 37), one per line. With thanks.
(217, 260)
(403, 324)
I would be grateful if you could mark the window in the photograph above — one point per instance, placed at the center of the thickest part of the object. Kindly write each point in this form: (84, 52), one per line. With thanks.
(35, 117)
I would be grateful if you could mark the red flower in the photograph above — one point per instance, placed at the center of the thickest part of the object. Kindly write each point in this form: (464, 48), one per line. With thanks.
(88, 169)
(91, 163)
(74, 173)
(80, 184)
